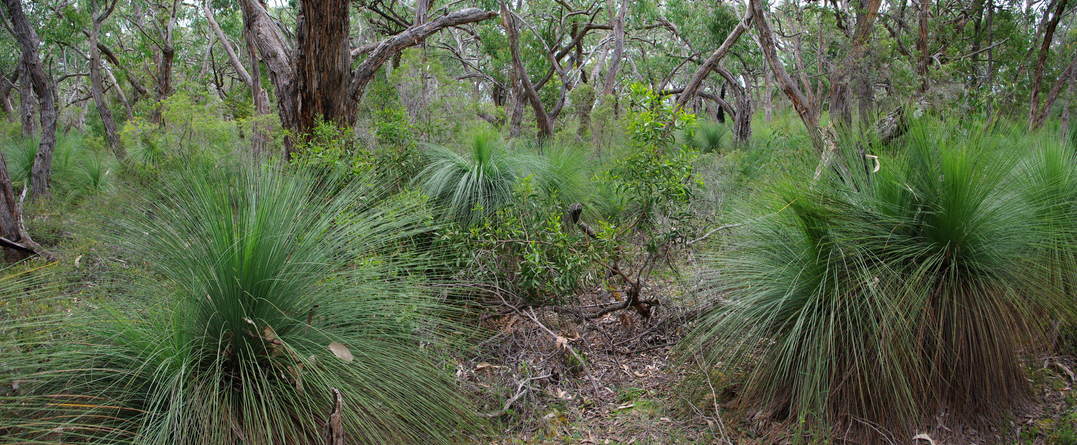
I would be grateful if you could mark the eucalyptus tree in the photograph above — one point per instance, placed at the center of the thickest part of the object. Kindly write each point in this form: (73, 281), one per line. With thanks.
(44, 88)
(313, 77)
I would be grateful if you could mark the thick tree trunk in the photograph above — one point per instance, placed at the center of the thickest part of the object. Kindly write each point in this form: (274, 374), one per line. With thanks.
(272, 49)
(323, 64)
(321, 38)
(42, 168)
(97, 89)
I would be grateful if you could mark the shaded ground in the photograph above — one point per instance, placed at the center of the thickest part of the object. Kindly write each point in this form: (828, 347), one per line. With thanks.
(550, 376)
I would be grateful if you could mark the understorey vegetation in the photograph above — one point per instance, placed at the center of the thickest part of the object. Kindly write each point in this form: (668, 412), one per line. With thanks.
(621, 221)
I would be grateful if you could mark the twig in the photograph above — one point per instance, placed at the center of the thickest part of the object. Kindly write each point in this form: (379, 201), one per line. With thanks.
(521, 388)
(713, 231)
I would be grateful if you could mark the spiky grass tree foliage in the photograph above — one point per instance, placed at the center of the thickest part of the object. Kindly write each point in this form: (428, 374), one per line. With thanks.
(474, 184)
(871, 304)
(265, 296)
(1049, 182)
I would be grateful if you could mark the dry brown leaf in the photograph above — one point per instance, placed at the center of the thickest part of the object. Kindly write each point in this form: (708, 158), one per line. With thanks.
(342, 352)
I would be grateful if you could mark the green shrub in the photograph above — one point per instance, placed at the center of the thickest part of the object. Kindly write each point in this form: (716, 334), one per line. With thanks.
(880, 302)
(263, 295)
(527, 249)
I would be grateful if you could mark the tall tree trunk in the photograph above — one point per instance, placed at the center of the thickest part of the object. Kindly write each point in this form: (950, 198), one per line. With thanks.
(260, 138)
(768, 97)
(272, 48)
(742, 101)
(1051, 23)
(323, 64)
(165, 58)
(922, 50)
(1040, 112)
(97, 89)
(542, 118)
(27, 101)
(618, 50)
(252, 78)
(42, 168)
(801, 105)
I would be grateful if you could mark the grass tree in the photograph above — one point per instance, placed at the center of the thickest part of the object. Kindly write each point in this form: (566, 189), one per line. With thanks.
(871, 304)
(474, 184)
(273, 314)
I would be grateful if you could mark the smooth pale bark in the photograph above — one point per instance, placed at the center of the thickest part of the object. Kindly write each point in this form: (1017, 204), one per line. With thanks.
(41, 170)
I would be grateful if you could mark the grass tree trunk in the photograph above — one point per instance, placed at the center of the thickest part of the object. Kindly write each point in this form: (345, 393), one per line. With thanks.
(45, 91)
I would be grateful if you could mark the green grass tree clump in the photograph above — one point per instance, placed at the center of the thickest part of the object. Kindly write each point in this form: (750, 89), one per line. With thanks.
(870, 304)
(266, 297)
(470, 186)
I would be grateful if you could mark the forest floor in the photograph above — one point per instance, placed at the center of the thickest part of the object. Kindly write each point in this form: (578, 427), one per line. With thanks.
(550, 376)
